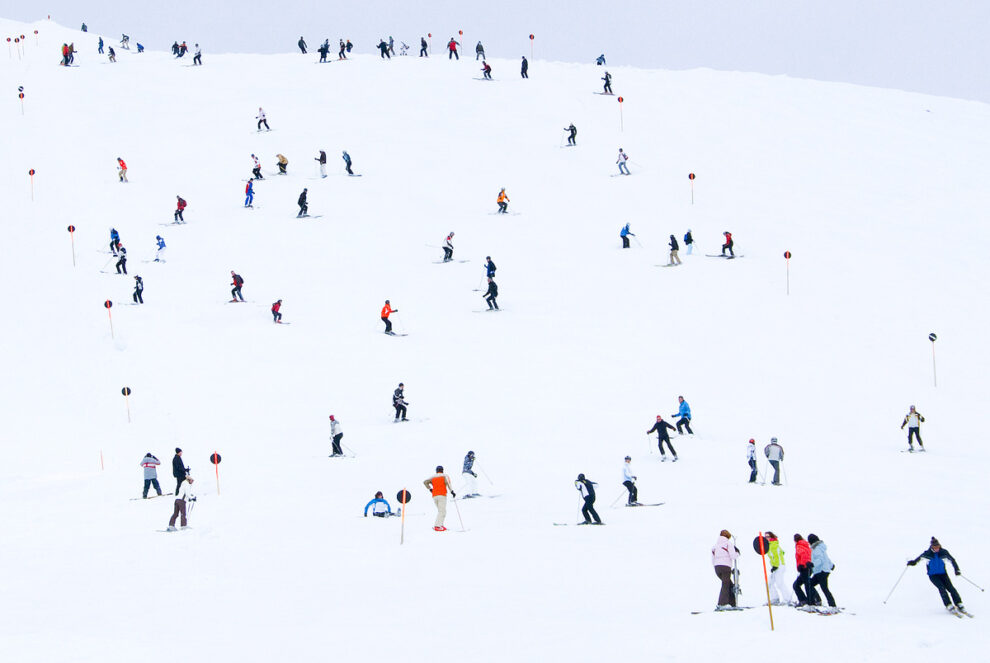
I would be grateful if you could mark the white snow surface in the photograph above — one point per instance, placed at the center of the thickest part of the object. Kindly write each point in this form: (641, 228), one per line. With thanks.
(874, 192)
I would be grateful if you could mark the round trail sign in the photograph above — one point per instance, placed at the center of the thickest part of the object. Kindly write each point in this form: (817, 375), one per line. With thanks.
(620, 100)
(35, 32)
(22, 36)
(756, 544)
(126, 391)
(20, 88)
(787, 254)
(215, 458)
(404, 496)
(460, 33)
(71, 229)
(8, 40)
(690, 176)
(107, 304)
(20, 95)
(531, 37)
(430, 35)
(932, 337)
(31, 172)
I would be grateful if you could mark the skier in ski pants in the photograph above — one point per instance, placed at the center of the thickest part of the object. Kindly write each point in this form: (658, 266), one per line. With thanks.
(439, 486)
(336, 435)
(660, 427)
(938, 574)
(587, 489)
(150, 465)
(724, 555)
(802, 585)
(780, 591)
(629, 481)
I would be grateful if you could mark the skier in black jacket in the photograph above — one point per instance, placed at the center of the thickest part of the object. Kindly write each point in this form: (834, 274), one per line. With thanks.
(302, 45)
(122, 259)
(324, 49)
(661, 430)
(138, 290)
(303, 207)
(572, 134)
(422, 48)
(178, 469)
(399, 403)
(939, 576)
(491, 295)
(489, 267)
(587, 489)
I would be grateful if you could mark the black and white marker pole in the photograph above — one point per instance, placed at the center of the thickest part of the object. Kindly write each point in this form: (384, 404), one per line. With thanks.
(932, 337)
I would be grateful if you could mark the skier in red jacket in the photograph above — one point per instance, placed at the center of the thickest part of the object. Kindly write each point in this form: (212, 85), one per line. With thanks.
(275, 314)
(728, 244)
(452, 47)
(802, 586)
(179, 206)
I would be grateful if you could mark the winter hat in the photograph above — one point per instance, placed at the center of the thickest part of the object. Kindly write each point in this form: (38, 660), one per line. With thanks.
(471, 453)
(439, 468)
(725, 533)
(813, 538)
(331, 418)
(798, 537)
(580, 477)
(935, 542)
(659, 417)
(158, 236)
(178, 450)
(628, 458)
(752, 441)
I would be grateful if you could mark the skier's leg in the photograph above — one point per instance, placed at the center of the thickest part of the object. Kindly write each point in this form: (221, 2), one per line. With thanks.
(175, 511)
(585, 511)
(594, 514)
(671, 447)
(939, 582)
(776, 471)
(181, 504)
(158, 488)
(752, 473)
(724, 574)
(952, 591)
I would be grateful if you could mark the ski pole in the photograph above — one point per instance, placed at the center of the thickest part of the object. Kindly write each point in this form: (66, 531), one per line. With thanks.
(612, 505)
(971, 582)
(458, 509)
(783, 471)
(486, 475)
(637, 241)
(349, 449)
(895, 585)
(649, 443)
(400, 322)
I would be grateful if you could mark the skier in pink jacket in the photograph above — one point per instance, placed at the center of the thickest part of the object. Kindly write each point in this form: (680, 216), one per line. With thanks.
(724, 554)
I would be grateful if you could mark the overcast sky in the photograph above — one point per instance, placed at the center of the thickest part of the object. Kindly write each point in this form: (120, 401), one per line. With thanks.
(934, 46)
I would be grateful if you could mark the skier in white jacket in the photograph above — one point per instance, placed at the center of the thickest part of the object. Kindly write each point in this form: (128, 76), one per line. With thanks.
(336, 435)
(775, 454)
(629, 481)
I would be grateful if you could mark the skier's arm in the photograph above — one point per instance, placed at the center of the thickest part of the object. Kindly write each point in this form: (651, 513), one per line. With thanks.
(366, 506)
(904, 423)
(953, 560)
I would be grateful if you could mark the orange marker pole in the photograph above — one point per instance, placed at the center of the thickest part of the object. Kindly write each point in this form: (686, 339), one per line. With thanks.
(101, 460)
(31, 174)
(620, 114)
(72, 238)
(107, 304)
(531, 37)
(766, 580)
(787, 259)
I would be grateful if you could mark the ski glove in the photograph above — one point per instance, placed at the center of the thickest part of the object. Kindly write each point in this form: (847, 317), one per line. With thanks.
(958, 572)
(912, 562)
(453, 494)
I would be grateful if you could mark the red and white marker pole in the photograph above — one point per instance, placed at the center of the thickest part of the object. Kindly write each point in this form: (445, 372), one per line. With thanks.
(787, 260)
(215, 459)
(107, 304)
(691, 177)
(531, 38)
(31, 175)
(72, 238)
(620, 114)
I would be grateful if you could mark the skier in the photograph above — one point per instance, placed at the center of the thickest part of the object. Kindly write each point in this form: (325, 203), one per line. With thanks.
(625, 233)
(439, 485)
(137, 296)
(939, 576)
(621, 161)
(256, 169)
(121, 170)
(283, 164)
(324, 49)
(503, 202)
(587, 489)
(140, 48)
(100, 47)
(276, 314)
(84, 28)
(179, 470)
(524, 71)
(572, 134)
(322, 160)
(724, 555)
(150, 463)
(600, 60)
(302, 45)
(404, 49)
(489, 267)
(470, 477)
(347, 162)
(775, 454)
(383, 47)
(341, 55)
(608, 83)
(262, 119)
(125, 42)
(182, 497)
(422, 48)
(728, 244)
(387, 310)
(121, 259)
(183, 49)
(751, 459)
(486, 70)
(175, 48)
(180, 206)
(629, 481)
(674, 248)
(197, 59)
(452, 49)
(65, 55)
(684, 412)
(821, 567)
(661, 429)
(336, 435)
(160, 250)
(802, 585)
(688, 241)
(491, 294)
(237, 282)
(913, 421)
(249, 194)
(114, 241)
(111, 55)
(479, 52)
(391, 45)
(399, 402)
(379, 507)
(448, 247)
(349, 46)
(303, 206)
(780, 592)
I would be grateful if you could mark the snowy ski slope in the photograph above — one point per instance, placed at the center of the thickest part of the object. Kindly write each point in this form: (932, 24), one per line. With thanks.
(880, 196)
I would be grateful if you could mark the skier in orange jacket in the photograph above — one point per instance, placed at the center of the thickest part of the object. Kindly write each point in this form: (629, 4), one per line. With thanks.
(503, 202)
(387, 310)
(439, 485)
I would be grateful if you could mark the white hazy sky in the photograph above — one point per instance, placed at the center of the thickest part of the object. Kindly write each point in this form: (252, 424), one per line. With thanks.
(934, 46)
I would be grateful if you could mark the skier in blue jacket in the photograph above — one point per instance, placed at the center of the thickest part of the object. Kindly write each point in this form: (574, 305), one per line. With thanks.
(114, 241)
(684, 412)
(379, 507)
(624, 234)
(160, 252)
(939, 574)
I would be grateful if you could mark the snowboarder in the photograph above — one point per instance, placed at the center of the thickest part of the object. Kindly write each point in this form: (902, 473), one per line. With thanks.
(587, 489)
(237, 282)
(751, 459)
(121, 259)
(180, 206)
(336, 435)
(821, 567)
(524, 71)
(249, 194)
(728, 244)
(150, 464)
(913, 421)
(283, 164)
(452, 49)
(197, 59)
(939, 576)
(422, 48)
(387, 310)
(479, 52)
(448, 247)
(486, 70)
(674, 248)
(159, 248)
(572, 134)
(802, 585)
(383, 47)
(399, 402)
(600, 60)
(775, 454)
(114, 241)
(503, 202)
(629, 481)
(276, 314)
(303, 205)
(625, 234)
(121, 170)
(724, 555)
(688, 241)
(621, 162)
(256, 169)
(683, 411)
(661, 427)
(489, 267)
(379, 507)
(262, 119)
(341, 55)
(324, 49)
(302, 45)
(179, 470)
(183, 495)
(491, 294)
(137, 295)
(347, 162)
(470, 477)
(608, 83)
(322, 160)
(780, 591)
(439, 486)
